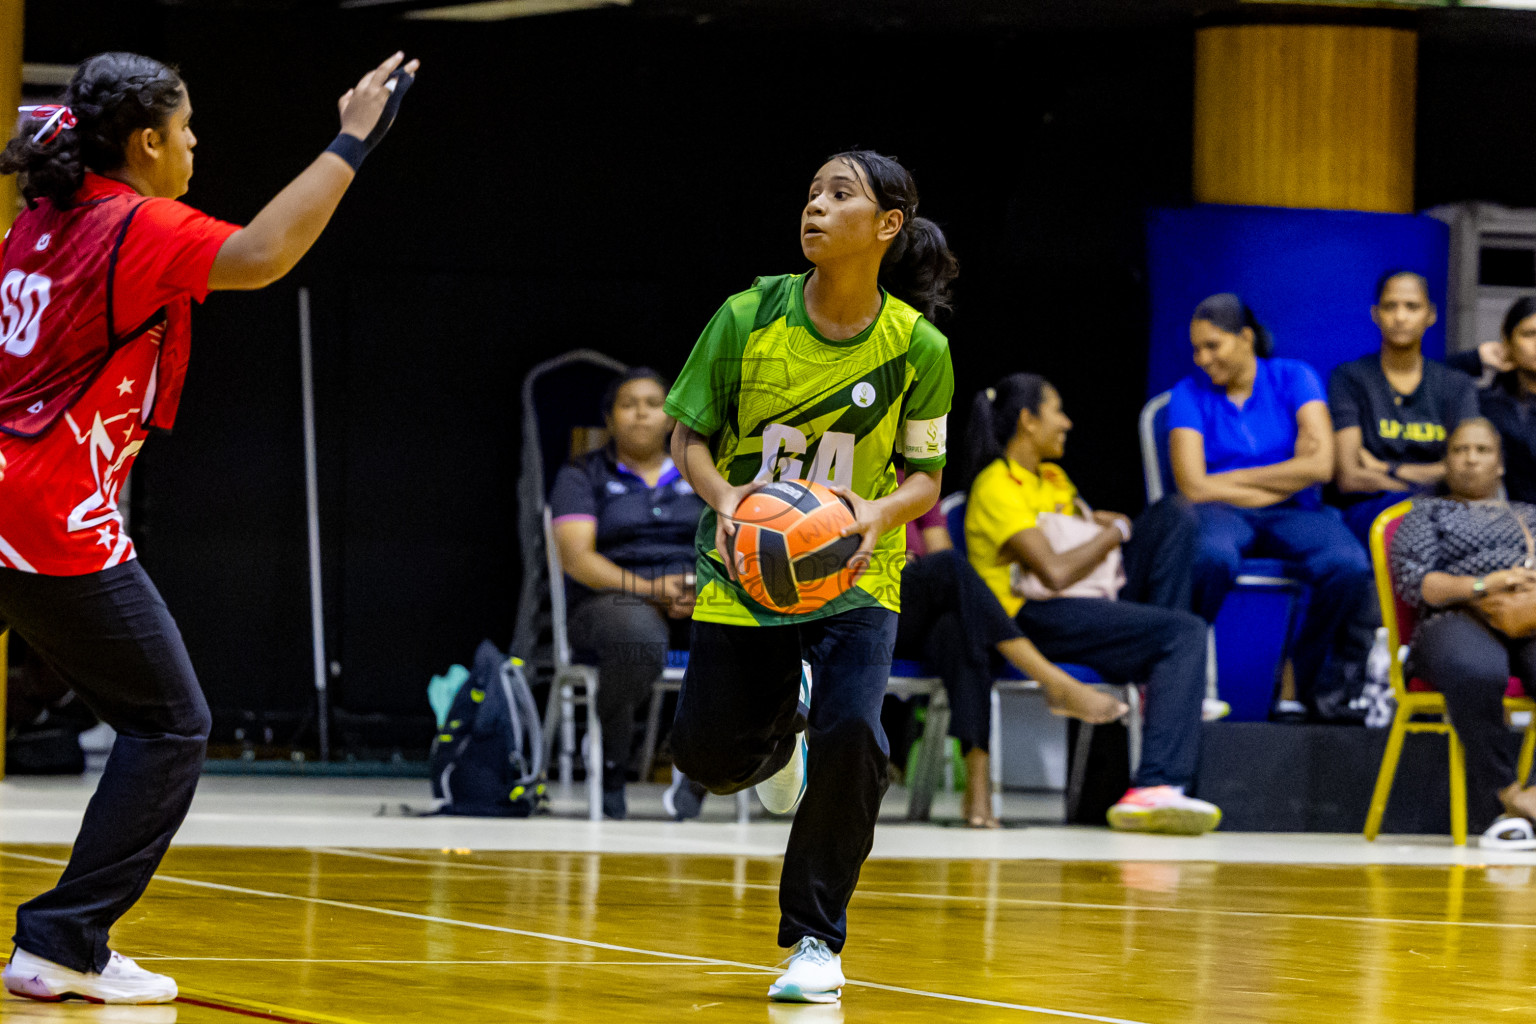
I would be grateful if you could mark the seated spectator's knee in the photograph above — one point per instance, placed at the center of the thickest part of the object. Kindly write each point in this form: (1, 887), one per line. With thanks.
(1341, 564)
(1187, 629)
(1448, 654)
(1213, 558)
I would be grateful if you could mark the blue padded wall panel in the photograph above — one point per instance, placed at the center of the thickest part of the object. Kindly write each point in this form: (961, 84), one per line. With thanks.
(1307, 274)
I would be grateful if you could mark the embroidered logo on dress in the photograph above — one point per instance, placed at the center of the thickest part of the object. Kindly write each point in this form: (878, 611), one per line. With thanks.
(42, 243)
(863, 394)
(614, 487)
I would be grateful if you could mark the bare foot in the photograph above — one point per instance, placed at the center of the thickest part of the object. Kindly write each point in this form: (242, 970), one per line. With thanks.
(1081, 701)
(978, 812)
(977, 806)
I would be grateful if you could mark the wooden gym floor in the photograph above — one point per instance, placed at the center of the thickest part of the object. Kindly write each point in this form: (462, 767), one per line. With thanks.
(349, 935)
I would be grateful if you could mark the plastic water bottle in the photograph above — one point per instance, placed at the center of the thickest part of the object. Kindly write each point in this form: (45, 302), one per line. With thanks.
(1380, 704)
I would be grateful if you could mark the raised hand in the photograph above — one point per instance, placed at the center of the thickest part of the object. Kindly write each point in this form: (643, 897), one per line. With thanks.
(363, 107)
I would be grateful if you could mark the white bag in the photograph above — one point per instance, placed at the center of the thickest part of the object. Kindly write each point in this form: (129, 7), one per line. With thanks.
(1065, 532)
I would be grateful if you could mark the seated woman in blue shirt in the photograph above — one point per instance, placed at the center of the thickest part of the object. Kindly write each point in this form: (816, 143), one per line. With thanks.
(1251, 444)
(625, 523)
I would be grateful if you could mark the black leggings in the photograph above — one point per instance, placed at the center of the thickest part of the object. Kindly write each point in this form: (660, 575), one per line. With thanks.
(737, 717)
(952, 621)
(110, 636)
(1471, 664)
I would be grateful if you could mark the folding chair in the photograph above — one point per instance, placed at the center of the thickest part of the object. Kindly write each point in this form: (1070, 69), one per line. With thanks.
(572, 685)
(910, 679)
(1416, 697)
(1077, 771)
(560, 402)
(953, 507)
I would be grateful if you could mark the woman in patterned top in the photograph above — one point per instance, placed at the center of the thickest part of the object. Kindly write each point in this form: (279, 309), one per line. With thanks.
(1450, 553)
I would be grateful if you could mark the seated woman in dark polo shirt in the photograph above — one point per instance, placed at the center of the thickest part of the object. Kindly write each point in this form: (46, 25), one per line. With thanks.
(1393, 410)
(625, 523)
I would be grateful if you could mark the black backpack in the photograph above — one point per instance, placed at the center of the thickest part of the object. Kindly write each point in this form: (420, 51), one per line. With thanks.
(487, 760)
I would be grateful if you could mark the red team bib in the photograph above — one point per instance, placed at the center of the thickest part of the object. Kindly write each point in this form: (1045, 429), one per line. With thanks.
(94, 334)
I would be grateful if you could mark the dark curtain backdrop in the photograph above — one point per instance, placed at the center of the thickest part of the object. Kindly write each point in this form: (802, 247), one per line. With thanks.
(605, 180)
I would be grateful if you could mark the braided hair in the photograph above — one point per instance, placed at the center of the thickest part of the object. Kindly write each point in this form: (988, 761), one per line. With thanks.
(112, 95)
(918, 266)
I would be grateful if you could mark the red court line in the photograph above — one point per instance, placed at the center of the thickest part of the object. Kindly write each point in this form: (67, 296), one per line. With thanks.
(260, 1014)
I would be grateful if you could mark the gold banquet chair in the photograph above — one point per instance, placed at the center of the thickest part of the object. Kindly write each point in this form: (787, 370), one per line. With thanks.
(1415, 698)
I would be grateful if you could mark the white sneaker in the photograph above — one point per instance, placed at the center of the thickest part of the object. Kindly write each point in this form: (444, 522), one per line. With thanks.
(781, 792)
(123, 981)
(814, 974)
(1163, 809)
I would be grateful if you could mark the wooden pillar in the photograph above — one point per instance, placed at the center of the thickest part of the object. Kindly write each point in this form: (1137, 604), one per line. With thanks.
(10, 97)
(1317, 116)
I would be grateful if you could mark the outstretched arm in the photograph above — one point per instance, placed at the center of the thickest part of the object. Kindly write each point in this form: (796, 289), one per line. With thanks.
(285, 229)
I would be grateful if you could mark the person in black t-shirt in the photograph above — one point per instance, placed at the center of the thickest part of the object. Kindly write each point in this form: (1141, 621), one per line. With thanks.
(624, 523)
(1509, 398)
(1392, 411)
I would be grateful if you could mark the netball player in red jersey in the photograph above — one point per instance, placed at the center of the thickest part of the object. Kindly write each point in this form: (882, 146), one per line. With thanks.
(96, 281)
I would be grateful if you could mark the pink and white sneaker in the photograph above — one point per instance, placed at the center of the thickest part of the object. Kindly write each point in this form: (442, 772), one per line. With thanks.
(1163, 809)
(121, 981)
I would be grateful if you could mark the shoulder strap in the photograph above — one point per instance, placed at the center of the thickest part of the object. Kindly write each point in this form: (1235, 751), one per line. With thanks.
(116, 341)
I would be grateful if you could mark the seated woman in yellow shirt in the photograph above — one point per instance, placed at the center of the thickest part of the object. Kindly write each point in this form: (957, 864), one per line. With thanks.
(1144, 635)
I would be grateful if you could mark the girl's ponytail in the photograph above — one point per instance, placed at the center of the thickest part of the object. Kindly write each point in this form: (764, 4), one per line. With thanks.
(111, 96)
(995, 416)
(50, 168)
(1231, 314)
(918, 267)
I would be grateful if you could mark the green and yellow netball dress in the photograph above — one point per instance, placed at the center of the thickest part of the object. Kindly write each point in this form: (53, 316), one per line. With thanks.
(780, 402)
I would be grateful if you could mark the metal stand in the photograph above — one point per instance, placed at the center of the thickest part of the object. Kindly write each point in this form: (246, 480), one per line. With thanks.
(312, 509)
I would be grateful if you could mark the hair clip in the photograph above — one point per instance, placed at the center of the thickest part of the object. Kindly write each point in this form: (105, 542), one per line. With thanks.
(58, 117)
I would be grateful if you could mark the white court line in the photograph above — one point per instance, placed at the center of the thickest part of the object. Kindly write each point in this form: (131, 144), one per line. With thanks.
(433, 963)
(591, 944)
(1018, 901)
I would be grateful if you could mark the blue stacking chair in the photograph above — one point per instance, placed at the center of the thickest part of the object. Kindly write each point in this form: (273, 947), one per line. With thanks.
(1253, 631)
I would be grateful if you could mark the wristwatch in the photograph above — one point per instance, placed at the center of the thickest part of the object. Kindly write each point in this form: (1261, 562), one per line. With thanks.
(1480, 586)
